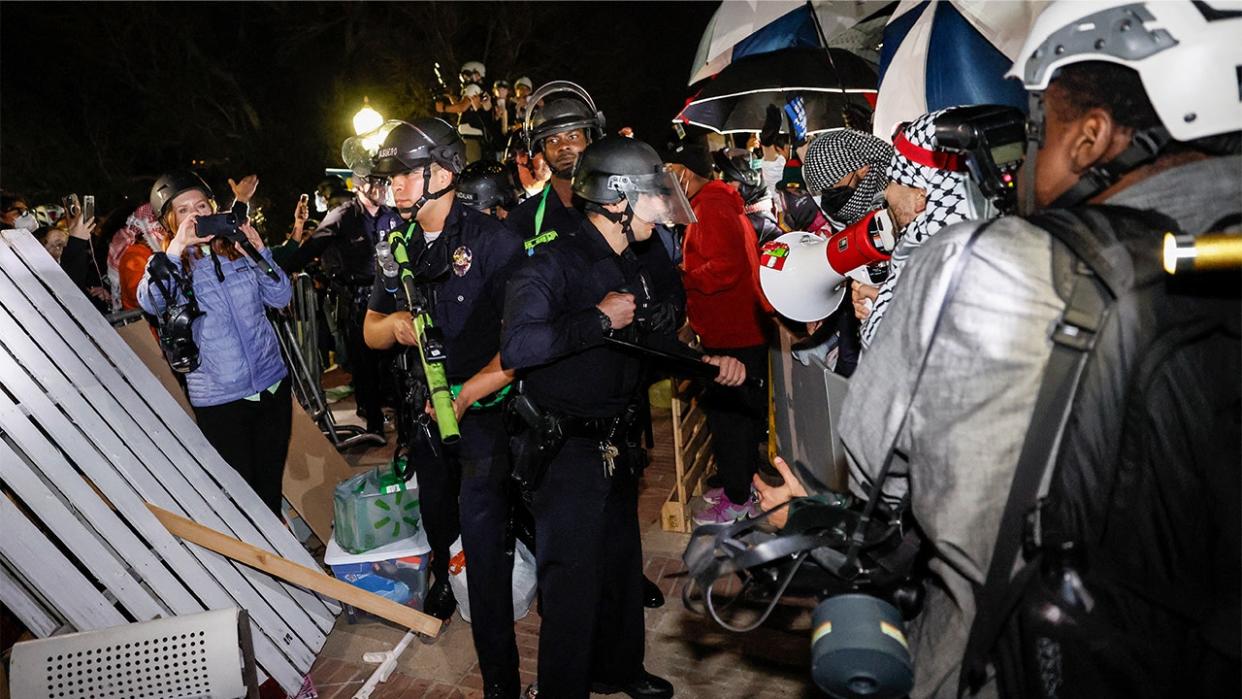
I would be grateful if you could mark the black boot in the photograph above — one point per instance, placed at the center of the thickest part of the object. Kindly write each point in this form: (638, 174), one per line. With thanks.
(440, 602)
(645, 686)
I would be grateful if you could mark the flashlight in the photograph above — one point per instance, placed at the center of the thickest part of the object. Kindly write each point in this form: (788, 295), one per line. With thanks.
(1201, 253)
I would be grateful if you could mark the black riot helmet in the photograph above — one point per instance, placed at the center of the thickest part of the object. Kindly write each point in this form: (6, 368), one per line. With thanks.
(564, 113)
(412, 145)
(735, 165)
(617, 169)
(485, 185)
(172, 184)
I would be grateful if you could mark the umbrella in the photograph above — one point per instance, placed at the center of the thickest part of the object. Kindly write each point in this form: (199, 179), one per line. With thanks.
(742, 28)
(737, 99)
(945, 53)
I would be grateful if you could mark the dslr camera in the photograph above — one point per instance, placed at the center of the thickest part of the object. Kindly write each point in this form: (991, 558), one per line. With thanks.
(993, 140)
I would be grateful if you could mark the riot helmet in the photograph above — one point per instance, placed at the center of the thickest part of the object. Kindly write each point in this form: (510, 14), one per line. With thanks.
(413, 145)
(735, 165)
(485, 185)
(625, 169)
(565, 113)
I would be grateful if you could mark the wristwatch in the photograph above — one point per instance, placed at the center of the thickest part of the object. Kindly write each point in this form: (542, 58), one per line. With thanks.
(605, 323)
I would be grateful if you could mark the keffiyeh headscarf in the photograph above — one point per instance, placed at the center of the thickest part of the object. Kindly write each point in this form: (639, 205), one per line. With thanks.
(835, 154)
(943, 176)
(141, 226)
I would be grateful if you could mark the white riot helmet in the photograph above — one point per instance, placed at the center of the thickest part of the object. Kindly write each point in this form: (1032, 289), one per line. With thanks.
(1187, 55)
(474, 67)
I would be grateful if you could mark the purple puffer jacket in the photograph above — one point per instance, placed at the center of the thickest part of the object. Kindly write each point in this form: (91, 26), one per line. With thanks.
(238, 351)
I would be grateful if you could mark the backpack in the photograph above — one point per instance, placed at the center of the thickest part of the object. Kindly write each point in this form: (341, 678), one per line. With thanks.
(1131, 562)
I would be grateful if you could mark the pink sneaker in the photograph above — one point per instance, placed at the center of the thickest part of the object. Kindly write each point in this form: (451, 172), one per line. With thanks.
(725, 512)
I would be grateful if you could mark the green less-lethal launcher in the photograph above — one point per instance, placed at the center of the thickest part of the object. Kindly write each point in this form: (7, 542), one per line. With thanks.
(375, 508)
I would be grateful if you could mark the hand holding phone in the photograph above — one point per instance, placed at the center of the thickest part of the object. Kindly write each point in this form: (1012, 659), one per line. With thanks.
(88, 207)
(72, 208)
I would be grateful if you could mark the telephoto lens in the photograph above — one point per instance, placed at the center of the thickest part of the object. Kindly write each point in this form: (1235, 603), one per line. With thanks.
(859, 649)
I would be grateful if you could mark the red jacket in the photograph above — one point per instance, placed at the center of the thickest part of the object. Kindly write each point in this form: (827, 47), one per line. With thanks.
(721, 273)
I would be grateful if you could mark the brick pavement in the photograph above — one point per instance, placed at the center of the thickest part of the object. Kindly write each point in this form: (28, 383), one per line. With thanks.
(701, 659)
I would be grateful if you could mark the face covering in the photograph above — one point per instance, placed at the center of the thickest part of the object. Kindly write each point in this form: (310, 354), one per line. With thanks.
(27, 221)
(831, 200)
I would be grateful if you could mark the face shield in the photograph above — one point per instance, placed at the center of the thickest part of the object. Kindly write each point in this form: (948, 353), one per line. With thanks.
(655, 198)
(358, 152)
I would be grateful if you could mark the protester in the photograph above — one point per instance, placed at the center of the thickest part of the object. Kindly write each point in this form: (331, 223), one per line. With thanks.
(77, 258)
(462, 260)
(736, 170)
(15, 212)
(720, 273)
(239, 391)
(1104, 130)
(52, 239)
(559, 308)
(927, 191)
(130, 250)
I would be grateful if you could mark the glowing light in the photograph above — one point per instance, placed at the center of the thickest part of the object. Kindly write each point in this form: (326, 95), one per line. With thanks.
(367, 119)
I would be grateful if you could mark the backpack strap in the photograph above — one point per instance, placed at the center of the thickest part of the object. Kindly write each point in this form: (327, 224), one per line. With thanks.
(1073, 339)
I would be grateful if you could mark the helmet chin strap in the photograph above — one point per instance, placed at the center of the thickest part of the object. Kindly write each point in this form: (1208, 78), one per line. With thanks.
(1145, 146)
(625, 218)
(427, 196)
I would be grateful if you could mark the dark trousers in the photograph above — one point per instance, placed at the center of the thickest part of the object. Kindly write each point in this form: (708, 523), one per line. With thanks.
(253, 437)
(467, 493)
(590, 574)
(365, 367)
(738, 419)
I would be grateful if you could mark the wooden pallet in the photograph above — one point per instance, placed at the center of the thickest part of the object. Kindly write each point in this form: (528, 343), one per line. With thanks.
(88, 436)
(692, 456)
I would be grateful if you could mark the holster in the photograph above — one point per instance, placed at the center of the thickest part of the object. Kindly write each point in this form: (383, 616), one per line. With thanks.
(535, 438)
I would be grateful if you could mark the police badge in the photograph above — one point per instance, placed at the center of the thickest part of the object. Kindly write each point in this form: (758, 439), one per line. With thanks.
(461, 260)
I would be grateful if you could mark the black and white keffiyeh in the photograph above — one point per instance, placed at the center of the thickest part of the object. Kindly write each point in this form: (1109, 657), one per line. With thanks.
(835, 154)
(942, 175)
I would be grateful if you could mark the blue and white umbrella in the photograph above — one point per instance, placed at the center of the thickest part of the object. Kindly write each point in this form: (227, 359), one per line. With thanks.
(944, 53)
(742, 28)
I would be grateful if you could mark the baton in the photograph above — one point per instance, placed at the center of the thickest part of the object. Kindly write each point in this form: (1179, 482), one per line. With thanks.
(682, 363)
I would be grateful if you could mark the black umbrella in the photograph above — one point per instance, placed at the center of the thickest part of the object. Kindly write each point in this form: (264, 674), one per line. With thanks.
(736, 99)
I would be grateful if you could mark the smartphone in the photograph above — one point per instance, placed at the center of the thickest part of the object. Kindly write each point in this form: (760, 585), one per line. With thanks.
(88, 207)
(71, 205)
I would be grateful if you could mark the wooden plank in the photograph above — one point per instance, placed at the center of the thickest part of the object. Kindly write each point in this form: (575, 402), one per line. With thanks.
(36, 559)
(673, 517)
(155, 479)
(272, 564)
(25, 606)
(145, 431)
(93, 551)
(95, 449)
(37, 267)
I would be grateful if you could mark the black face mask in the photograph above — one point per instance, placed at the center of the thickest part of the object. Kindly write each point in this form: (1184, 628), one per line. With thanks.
(832, 200)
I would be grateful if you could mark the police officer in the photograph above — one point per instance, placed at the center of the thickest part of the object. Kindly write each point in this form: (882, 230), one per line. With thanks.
(560, 306)
(560, 130)
(347, 236)
(487, 186)
(462, 260)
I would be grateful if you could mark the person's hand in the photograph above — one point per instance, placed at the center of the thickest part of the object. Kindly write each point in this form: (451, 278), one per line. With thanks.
(813, 326)
(79, 228)
(773, 496)
(301, 212)
(863, 296)
(187, 236)
(619, 308)
(459, 408)
(100, 293)
(403, 328)
(243, 191)
(253, 236)
(732, 371)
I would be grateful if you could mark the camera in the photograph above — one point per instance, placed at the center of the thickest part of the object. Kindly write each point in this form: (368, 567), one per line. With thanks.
(858, 559)
(222, 226)
(993, 139)
(176, 335)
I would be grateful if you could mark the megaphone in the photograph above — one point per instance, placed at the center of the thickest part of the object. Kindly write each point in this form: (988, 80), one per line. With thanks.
(803, 275)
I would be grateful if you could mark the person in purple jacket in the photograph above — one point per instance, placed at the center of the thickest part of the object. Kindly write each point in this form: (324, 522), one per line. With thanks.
(240, 388)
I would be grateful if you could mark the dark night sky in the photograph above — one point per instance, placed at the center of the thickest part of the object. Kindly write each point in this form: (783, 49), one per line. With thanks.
(101, 97)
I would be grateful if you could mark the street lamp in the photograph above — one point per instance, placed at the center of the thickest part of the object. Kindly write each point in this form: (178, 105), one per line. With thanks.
(367, 119)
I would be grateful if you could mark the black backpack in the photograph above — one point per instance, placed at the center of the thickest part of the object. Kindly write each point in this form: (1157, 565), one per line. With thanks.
(1133, 560)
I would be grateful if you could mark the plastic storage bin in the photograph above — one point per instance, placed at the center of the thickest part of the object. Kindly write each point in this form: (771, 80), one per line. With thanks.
(397, 571)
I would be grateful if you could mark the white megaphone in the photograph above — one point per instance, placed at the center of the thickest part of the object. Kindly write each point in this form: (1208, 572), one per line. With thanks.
(803, 275)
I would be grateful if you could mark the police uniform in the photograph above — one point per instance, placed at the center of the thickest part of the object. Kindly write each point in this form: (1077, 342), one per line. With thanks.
(586, 518)
(348, 234)
(466, 304)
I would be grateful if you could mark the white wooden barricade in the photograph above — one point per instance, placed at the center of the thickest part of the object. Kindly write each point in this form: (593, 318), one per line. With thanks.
(87, 435)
